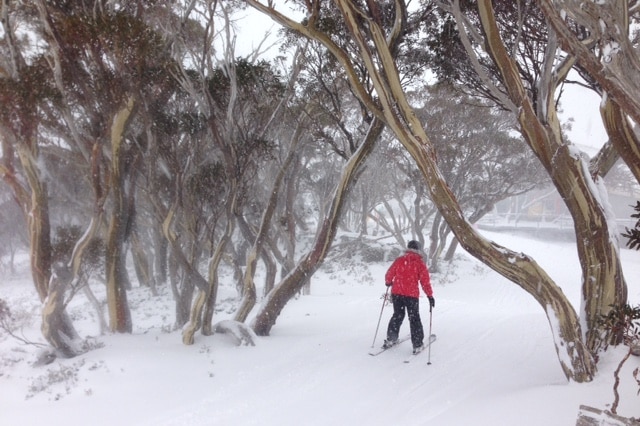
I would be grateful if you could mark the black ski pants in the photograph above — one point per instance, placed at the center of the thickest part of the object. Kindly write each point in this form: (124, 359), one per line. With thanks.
(412, 307)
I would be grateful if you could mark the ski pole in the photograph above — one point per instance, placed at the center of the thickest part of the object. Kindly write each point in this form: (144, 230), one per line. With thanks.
(430, 324)
(384, 300)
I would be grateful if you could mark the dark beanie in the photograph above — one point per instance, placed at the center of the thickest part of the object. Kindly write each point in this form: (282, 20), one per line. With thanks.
(413, 245)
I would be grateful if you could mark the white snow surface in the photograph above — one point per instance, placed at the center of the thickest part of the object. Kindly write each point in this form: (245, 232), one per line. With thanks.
(494, 362)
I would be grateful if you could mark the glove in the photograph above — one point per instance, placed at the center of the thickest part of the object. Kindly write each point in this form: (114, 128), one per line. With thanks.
(432, 301)
(388, 284)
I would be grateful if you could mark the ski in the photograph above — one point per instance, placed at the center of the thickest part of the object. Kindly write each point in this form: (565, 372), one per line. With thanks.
(432, 339)
(376, 352)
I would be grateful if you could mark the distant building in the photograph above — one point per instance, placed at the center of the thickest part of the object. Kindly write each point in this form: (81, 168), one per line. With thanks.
(544, 208)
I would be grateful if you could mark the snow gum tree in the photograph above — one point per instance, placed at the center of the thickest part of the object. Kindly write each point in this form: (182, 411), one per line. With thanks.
(601, 37)
(305, 267)
(96, 71)
(27, 95)
(369, 31)
(96, 63)
(235, 100)
(519, 66)
(25, 86)
(347, 127)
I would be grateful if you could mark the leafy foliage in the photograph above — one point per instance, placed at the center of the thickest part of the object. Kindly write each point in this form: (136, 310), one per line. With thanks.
(634, 234)
(452, 64)
(65, 240)
(622, 323)
(256, 82)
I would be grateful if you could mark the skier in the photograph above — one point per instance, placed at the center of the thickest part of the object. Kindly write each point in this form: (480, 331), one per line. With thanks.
(403, 277)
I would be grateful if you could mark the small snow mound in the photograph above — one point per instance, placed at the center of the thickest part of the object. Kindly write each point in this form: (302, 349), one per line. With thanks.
(242, 334)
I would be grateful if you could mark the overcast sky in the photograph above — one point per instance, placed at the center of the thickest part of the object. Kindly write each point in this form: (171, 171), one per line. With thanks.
(584, 106)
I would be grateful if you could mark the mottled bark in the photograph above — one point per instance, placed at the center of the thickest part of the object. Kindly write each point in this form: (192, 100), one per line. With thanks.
(117, 279)
(56, 327)
(73, 273)
(604, 160)
(434, 243)
(160, 256)
(39, 236)
(603, 284)
(34, 202)
(621, 135)
(195, 318)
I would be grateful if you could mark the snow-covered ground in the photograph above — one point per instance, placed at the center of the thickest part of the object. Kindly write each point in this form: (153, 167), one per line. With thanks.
(493, 363)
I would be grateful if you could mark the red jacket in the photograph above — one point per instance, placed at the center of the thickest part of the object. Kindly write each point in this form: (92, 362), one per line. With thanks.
(405, 273)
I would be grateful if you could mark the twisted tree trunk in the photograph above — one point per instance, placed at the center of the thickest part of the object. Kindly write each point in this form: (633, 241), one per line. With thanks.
(56, 325)
(298, 277)
(603, 284)
(249, 287)
(617, 72)
(621, 135)
(117, 279)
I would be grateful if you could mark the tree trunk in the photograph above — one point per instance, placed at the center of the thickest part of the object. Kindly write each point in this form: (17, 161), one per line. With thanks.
(40, 239)
(289, 219)
(293, 282)
(183, 296)
(621, 135)
(160, 256)
(448, 257)
(97, 306)
(191, 274)
(435, 243)
(203, 307)
(57, 327)
(141, 264)
(117, 279)
(603, 285)
(77, 256)
(19, 136)
(272, 271)
(249, 287)
(182, 290)
(35, 205)
(211, 295)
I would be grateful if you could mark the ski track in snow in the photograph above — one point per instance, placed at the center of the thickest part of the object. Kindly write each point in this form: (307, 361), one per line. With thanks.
(493, 363)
